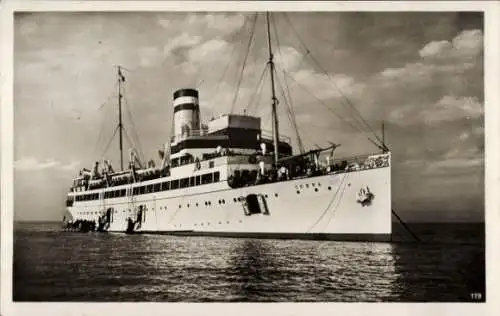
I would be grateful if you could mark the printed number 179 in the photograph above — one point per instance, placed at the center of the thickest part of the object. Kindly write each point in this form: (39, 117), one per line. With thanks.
(476, 296)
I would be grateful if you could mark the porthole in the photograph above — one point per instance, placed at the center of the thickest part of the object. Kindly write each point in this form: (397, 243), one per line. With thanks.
(188, 205)
(276, 194)
(298, 192)
(220, 223)
(329, 188)
(179, 206)
(227, 222)
(234, 199)
(316, 189)
(196, 204)
(240, 221)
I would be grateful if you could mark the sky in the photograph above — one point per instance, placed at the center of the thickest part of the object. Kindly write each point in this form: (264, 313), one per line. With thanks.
(421, 73)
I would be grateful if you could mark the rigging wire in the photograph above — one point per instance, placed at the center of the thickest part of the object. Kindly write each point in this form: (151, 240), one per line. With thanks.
(353, 108)
(247, 53)
(323, 103)
(134, 130)
(132, 145)
(233, 50)
(100, 135)
(351, 105)
(109, 143)
(290, 108)
(291, 116)
(258, 89)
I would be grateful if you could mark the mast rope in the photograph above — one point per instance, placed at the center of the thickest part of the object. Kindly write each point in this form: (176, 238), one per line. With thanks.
(363, 122)
(291, 116)
(343, 183)
(288, 101)
(229, 62)
(109, 142)
(405, 226)
(258, 90)
(127, 137)
(100, 135)
(134, 130)
(355, 128)
(247, 53)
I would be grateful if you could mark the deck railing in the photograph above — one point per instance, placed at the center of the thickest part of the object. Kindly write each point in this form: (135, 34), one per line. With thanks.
(338, 165)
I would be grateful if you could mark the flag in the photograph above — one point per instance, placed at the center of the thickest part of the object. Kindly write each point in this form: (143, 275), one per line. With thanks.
(122, 78)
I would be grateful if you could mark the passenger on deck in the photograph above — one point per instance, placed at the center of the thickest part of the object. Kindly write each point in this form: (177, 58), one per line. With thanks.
(283, 173)
(258, 179)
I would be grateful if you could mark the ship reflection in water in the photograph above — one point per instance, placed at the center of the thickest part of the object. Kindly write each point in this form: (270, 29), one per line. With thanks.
(319, 271)
(55, 266)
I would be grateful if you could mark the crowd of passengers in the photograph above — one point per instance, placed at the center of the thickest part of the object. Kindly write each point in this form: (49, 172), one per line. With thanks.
(283, 172)
(294, 168)
(83, 225)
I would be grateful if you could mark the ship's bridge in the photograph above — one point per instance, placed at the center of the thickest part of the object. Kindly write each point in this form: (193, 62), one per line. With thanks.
(240, 134)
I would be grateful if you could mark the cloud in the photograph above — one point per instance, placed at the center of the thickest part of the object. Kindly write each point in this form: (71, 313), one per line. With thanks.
(435, 48)
(165, 23)
(32, 164)
(288, 58)
(216, 24)
(208, 52)
(224, 23)
(451, 108)
(149, 56)
(181, 41)
(443, 85)
(468, 43)
(436, 57)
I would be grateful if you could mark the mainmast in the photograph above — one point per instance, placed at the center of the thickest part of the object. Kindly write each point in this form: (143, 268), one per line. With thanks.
(121, 79)
(274, 100)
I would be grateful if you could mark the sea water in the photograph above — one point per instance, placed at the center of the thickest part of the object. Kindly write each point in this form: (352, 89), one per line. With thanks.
(52, 265)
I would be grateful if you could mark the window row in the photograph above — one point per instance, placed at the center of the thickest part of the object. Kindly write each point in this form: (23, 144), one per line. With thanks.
(157, 187)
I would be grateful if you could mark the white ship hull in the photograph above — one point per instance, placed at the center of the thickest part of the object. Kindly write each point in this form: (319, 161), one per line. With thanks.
(322, 207)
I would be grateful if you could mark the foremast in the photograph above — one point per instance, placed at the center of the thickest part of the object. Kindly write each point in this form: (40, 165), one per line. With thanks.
(273, 91)
(121, 79)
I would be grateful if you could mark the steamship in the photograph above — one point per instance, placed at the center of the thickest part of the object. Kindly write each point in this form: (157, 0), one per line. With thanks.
(231, 178)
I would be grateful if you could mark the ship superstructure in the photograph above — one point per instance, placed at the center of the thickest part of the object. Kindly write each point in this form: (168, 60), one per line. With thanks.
(229, 177)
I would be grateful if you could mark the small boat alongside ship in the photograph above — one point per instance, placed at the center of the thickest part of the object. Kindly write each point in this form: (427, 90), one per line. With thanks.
(231, 178)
